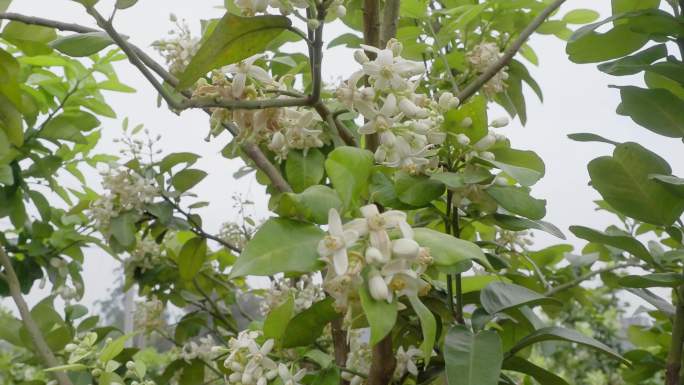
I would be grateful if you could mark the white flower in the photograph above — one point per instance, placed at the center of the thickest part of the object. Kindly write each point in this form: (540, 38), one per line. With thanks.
(406, 361)
(447, 101)
(245, 68)
(289, 378)
(333, 247)
(411, 110)
(383, 119)
(388, 72)
(361, 57)
(251, 7)
(376, 224)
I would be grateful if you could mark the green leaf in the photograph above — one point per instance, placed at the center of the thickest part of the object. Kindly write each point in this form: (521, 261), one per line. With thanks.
(416, 9)
(622, 6)
(305, 328)
(447, 250)
(122, 227)
(659, 303)
(32, 39)
(233, 39)
(517, 200)
(6, 175)
(381, 315)
(472, 359)
(619, 241)
(540, 374)
(176, 158)
(580, 16)
(277, 320)
(589, 137)
(193, 373)
(70, 126)
(513, 223)
(10, 124)
(554, 333)
(304, 171)
(428, 326)
(113, 348)
(280, 245)
(633, 64)
(328, 376)
(313, 204)
(186, 179)
(652, 280)
(82, 44)
(68, 367)
(526, 167)
(417, 190)
(673, 183)
(191, 258)
(123, 4)
(623, 181)
(349, 169)
(658, 110)
(476, 110)
(498, 297)
(347, 39)
(589, 46)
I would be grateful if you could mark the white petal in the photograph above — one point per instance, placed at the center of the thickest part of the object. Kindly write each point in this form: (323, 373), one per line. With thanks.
(393, 218)
(334, 223)
(340, 261)
(369, 211)
(239, 84)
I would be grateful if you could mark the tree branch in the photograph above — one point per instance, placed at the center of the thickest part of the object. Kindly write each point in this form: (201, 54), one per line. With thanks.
(674, 355)
(34, 332)
(390, 19)
(382, 362)
(589, 275)
(509, 53)
(371, 36)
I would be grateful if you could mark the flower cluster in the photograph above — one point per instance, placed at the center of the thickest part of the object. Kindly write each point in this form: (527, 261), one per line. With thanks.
(179, 49)
(202, 349)
(145, 256)
(61, 286)
(125, 191)
(481, 57)
(286, 7)
(303, 289)
(408, 124)
(249, 363)
(392, 267)
(149, 314)
(285, 128)
(81, 347)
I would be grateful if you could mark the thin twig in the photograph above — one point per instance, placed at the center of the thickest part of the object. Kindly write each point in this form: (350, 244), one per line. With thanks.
(42, 348)
(509, 53)
(587, 276)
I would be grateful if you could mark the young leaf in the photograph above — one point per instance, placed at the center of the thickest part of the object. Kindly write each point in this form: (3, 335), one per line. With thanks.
(187, 179)
(112, 349)
(428, 325)
(233, 39)
(349, 170)
(518, 201)
(447, 250)
(82, 44)
(540, 374)
(472, 359)
(276, 322)
(280, 245)
(304, 171)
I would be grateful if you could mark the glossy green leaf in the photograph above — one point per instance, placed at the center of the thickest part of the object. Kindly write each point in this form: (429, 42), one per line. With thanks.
(32, 39)
(540, 374)
(589, 46)
(673, 183)
(312, 204)
(113, 348)
(381, 315)
(233, 39)
(82, 44)
(589, 137)
(518, 201)
(191, 258)
(623, 181)
(501, 296)
(655, 109)
(173, 159)
(277, 319)
(304, 171)
(652, 280)
(123, 4)
(580, 16)
(305, 328)
(428, 326)
(69, 126)
(554, 333)
(349, 169)
(630, 65)
(122, 228)
(619, 241)
(526, 167)
(447, 250)
(186, 179)
(417, 190)
(280, 245)
(475, 109)
(513, 223)
(472, 359)
(193, 373)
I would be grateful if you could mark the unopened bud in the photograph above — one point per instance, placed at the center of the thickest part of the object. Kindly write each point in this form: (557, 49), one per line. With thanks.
(361, 57)
(499, 122)
(341, 11)
(462, 139)
(313, 23)
(467, 122)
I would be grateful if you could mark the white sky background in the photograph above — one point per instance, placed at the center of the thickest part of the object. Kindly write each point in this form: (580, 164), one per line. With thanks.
(577, 99)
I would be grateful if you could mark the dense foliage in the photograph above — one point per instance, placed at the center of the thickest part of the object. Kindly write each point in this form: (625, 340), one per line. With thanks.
(399, 249)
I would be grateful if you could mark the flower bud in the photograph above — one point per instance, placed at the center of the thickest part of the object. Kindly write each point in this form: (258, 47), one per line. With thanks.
(373, 255)
(486, 142)
(405, 248)
(361, 57)
(501, 181)
(313, 23)
(70, 347)
(463, 139)
(377, 286)
(130, 365)
(341, 11)
(467, 122)
(173, 17)
(277, 141)
(395, 46)
(447, 100)
(436, 137)
(499, 122)
(486, 155)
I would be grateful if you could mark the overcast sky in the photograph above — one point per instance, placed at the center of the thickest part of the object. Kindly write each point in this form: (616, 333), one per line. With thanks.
(577, 99)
